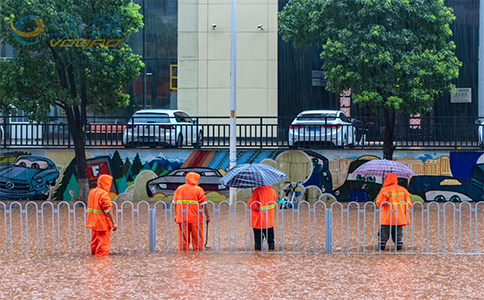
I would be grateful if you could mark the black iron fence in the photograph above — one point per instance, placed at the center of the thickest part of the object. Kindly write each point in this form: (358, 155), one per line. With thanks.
(252, 132)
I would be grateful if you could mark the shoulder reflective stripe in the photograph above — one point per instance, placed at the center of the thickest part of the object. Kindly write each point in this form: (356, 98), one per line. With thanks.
(266, 207)
(95, 211)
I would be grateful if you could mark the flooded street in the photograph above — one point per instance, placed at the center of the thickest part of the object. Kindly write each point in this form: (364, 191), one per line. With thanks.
(143, 275)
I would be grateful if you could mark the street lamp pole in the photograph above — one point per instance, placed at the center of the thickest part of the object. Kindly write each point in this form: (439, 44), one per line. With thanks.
(233, 92)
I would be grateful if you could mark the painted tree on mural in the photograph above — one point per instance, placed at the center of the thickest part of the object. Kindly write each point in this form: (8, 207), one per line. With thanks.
(70, 54)
(395, 56)
(117, 165)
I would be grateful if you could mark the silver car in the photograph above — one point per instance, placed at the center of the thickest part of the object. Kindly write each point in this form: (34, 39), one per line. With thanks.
(316, 127)
(162, 127)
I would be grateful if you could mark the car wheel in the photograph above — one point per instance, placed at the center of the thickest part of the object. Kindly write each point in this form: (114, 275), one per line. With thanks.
(179, 141)
(199, 141)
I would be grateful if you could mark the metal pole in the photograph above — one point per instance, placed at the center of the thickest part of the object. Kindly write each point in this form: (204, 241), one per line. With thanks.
(233, 90)
(151, 230)
(480, 90)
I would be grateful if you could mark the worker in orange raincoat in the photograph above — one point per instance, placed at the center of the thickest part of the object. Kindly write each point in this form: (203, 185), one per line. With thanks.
(99, 216)
(262, 205)
(187, 199)
(393, 197)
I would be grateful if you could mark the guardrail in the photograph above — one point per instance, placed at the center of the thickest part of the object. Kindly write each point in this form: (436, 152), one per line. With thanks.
(436, 228)
(252, 132)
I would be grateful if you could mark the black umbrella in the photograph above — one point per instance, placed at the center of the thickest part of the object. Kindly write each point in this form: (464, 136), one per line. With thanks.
(252, 175)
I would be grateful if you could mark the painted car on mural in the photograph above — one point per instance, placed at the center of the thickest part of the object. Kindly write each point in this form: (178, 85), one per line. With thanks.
(167, 184)
(28, 178)
(444, 188)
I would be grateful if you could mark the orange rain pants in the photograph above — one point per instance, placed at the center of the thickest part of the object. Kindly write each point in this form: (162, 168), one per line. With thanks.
(100, 242)
(194, 232)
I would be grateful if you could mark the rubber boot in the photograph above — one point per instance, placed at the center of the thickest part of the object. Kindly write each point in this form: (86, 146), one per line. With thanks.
(382, 246)
(257, 247)
(399, 246)
(271, 246)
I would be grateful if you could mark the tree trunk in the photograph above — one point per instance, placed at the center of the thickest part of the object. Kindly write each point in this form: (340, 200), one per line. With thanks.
(77, 126)
(82, 180)
(389, 118)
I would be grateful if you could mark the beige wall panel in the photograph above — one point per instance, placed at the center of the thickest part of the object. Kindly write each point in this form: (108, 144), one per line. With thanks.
(187, 18)
(249, 16)
(219, 14)
(251, 102)
(218, 102)
(218, 45)
(190, 101)
(218, 75)
(272, 74)
(272, 16)
(193, 2)
(251, 74)
(203, 45)
(252, 46)
(272, 46)
(272, 102)
(188, 73)
(204, 24)
(202, 74)
(187, 45)
(203, 102)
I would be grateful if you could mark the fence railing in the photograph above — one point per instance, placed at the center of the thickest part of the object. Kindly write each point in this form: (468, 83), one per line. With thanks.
(252, 132)
(436, 228)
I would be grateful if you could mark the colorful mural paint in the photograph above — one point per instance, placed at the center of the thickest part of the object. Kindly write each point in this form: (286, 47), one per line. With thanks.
(142, 174)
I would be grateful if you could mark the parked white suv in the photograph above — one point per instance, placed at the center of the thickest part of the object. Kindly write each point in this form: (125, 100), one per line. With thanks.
(162, 127)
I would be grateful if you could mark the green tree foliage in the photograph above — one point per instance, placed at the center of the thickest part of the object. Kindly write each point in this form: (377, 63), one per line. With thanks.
(395, 55)
(45, 72)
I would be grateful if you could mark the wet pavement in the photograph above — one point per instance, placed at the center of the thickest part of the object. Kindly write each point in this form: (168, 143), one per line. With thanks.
(143, 275)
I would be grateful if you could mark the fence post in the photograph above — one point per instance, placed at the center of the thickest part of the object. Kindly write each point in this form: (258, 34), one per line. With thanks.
(328, 236)
(151, 230)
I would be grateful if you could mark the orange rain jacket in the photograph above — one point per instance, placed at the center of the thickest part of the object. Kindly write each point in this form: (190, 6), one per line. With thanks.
(191, 196)
(98, 203)
(263, 198)
(393, 193)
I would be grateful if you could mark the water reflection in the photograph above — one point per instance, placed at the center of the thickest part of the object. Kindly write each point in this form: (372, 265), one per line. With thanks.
(100, 277)
(143, 275)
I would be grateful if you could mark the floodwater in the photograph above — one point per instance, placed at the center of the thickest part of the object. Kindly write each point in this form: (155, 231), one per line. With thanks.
(143, 275)
(224, 273)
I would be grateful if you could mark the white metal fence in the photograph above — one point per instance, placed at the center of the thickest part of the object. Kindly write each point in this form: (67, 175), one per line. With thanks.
(436, 228)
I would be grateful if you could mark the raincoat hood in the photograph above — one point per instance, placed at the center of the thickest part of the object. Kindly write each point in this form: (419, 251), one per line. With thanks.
(390, 179)
(104, 182)
(192, 178)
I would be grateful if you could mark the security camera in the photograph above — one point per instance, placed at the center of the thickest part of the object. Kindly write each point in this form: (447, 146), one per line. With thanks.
(214, 25)
(260, 27)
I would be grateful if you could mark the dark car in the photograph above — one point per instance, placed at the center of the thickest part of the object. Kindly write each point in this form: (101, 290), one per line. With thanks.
(444, 188)
(167, 184)
(28, 178)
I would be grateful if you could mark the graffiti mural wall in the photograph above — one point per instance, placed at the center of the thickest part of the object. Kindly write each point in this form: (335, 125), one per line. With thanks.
(154, 174)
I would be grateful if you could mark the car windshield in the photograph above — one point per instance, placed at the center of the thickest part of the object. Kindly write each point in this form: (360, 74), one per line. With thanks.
(317, 116)
(150, 118)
